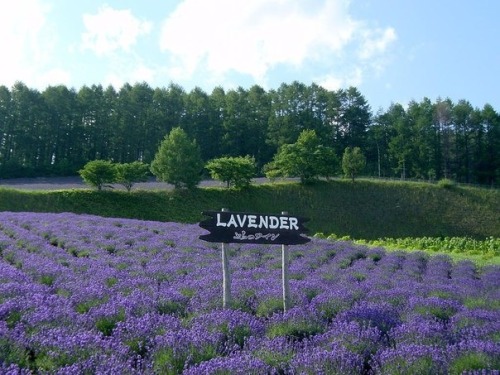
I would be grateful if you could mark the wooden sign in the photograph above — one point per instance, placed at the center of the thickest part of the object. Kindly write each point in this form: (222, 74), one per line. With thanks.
(239, 227)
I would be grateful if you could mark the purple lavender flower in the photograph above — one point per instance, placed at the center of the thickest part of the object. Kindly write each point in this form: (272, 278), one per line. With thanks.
(296, 324)
(336, 360)
(275, 352)
(383, 316)
(359, 339)
(85, 294)
(235, 325)
(410, 359)
(238, 364)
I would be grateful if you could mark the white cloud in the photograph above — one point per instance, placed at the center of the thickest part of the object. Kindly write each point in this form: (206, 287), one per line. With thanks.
(121, 71)
(27, 42)
(252, 37)
(331, 82)
(351, 77)
(52, 77)
(115, 80)
(375, 42)
(111, 30)
(142, 73)
(203, 43)
(370, 58)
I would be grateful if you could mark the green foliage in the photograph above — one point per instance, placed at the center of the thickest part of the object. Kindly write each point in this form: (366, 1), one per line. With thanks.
(129, 173)
(330, 308)
(172, 361)
(13, 318)
(235, 171)
(178, 160)
(353, 162)
(401, 366)
(269, 306)
(438, 312)
(50, 361)
(327, 163)
(171, 307)
(300, 329)
(306, 158)
(85, 306)
(472, 302)
(47, 280)
(168, 363)
(138, 346)
(446, 183)
(107, 324)
(239, 334)
(489, 247)
(275, 358)
(98, 173)
(11, 352)
(473, 361)
(111, 282)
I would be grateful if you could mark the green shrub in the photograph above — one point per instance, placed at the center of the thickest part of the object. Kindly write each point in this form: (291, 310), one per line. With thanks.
(107, 324)
(269, 307)
(127, 174)
(172, 360)
(12, 352)
(446, 183)
(234, 171)
(299, 329)
(98, 173)
(473, 361)
(275, 358)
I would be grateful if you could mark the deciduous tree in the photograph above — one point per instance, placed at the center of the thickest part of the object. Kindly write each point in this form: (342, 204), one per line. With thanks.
(178, 160)
(306, 158)
(353, 162)
(236, 171)
(127, 174)
(98, 173)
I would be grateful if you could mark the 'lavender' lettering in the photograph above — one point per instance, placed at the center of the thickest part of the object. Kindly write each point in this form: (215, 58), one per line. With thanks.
(259, 222)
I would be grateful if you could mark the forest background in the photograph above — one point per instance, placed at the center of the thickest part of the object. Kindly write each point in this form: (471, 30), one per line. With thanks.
(57, 131)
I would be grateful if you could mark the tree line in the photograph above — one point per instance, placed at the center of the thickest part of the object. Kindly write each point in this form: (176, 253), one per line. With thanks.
(57, 131)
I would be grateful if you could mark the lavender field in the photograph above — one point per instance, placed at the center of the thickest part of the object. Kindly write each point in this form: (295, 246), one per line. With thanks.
(83, 294)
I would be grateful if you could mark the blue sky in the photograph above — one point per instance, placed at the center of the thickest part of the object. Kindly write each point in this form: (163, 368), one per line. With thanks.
(391, 50)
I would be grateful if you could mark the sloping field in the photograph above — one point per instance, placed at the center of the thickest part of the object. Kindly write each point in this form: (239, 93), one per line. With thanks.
(364, 209)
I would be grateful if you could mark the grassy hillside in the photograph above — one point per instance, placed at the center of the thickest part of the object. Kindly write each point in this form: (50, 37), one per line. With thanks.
(364, 209)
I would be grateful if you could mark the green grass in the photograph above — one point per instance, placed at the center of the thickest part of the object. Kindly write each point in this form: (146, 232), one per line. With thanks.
(365, 209)
(482, 252)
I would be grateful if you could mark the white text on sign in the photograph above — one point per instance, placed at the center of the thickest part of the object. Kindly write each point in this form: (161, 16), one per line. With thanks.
(258, 221)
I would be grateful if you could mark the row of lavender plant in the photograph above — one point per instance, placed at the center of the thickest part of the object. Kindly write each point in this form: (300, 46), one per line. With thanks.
(85, 294)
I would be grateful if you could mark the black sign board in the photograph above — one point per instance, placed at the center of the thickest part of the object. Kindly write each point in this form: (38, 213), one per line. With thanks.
(239, 227)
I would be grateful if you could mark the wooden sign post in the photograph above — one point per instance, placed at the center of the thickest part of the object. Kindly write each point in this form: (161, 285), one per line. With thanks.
(226, 276)
(237, 227)
(284, 274)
